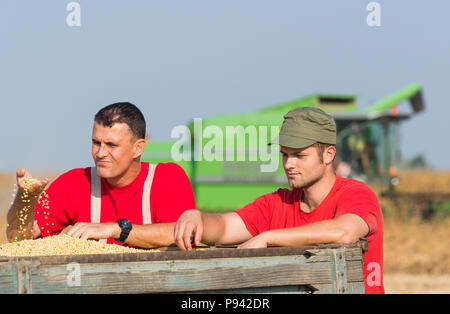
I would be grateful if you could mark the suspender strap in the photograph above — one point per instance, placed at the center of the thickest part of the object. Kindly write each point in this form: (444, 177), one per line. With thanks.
(96, 193)
(146, 212)
(96, 198)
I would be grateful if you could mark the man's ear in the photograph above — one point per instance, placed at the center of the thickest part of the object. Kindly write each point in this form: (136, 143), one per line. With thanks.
(139, 147)
(329, 154)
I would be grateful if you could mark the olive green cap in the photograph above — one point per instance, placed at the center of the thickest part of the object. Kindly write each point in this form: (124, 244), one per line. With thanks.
(305, 126)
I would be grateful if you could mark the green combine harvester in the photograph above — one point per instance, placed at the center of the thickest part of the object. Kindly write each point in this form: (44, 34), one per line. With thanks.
(229, 163)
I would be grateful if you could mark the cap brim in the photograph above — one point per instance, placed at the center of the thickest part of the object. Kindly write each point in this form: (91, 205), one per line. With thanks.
(292, 141)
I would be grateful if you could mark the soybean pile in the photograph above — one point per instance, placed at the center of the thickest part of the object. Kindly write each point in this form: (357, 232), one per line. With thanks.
(63, 244)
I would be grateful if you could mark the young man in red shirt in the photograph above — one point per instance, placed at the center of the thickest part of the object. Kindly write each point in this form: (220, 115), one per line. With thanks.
(120, 200)
(320, 208)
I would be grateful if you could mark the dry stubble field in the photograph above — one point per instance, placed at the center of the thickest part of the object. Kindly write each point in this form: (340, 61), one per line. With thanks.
(416, 252)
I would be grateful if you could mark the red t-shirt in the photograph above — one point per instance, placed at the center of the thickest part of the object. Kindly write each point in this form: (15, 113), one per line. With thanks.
(68, 199)
(281, 209)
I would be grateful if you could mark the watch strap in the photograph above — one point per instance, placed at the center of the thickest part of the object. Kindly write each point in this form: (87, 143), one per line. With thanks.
(125, 232)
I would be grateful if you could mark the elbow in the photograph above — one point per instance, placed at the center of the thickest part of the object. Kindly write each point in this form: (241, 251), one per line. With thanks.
(346, 237)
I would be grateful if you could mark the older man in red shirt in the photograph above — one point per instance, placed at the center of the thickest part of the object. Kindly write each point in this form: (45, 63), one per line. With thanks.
(321, 207)
(120, 200)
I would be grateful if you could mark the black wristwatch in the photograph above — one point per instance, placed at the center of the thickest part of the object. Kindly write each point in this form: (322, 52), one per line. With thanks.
(126, 227)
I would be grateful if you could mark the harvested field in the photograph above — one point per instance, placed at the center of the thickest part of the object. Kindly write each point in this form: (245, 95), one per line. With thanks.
(424, 181)
(417, 247)
(417, 256)
(395, 283)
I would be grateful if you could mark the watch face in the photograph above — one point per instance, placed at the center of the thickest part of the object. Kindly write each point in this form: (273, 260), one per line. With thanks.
(124, 224)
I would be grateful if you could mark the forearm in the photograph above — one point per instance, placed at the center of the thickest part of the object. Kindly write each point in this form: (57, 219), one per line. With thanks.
(213, 229)
(151, 236)
(326, 231)
(20, 218)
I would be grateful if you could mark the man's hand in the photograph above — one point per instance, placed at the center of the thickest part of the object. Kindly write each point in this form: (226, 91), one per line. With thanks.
(188, 227)
(33, 190)
(95, 231)
(258, 241)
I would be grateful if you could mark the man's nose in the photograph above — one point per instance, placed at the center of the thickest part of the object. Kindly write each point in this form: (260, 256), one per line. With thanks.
(289, 162)
(101, 151)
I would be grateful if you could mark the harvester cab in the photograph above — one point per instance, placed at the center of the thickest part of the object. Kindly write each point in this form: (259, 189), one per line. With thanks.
(369, 141)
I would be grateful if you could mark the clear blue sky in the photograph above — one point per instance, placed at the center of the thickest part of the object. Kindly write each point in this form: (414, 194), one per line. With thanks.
(182, 59)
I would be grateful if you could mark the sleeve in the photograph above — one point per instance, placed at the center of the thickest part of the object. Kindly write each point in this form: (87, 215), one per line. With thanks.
(362, 201)
(256, 215)
(175, 193)
(51, 211)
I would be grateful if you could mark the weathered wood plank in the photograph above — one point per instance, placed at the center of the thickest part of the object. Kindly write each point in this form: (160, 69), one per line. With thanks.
(353, 288)
(8, 278)
(338, 270)
(24, 277)
(353, 254)
(354, 271)
(215, 274)
(301, 289)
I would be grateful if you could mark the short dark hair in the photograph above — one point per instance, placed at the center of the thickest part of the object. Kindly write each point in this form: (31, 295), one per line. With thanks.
(321, 149)
(123, 112)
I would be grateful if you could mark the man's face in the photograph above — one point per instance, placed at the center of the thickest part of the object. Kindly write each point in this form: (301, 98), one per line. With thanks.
(302, 166)
(113, 149)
